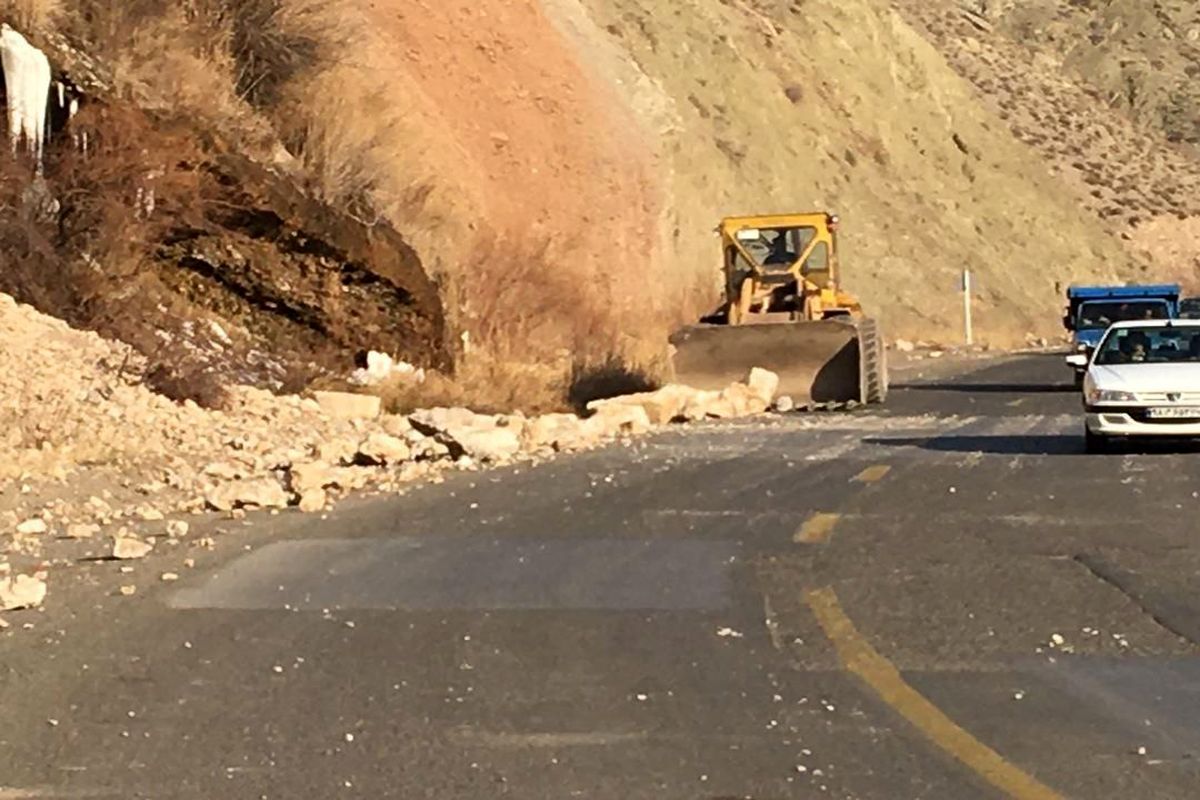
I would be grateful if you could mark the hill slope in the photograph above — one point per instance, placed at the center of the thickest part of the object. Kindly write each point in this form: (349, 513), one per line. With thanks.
(543, 177)
(1106, 95)
(744, 108)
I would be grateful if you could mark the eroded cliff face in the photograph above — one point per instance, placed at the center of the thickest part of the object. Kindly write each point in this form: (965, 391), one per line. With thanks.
(143, 224)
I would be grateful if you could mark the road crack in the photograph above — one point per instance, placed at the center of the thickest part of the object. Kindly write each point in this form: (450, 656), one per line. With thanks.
(1110, 576)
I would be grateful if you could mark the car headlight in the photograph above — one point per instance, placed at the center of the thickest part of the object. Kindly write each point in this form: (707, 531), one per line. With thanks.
(1110, 396)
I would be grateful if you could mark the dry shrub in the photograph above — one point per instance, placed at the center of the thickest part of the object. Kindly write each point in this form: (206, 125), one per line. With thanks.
(86, 254)
(37, 16)
(273, 42)
(525, 328)
(325, 122)
(219, 62)
(535, 336)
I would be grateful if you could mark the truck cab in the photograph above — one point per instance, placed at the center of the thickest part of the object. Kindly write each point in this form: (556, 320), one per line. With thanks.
(1092, 309)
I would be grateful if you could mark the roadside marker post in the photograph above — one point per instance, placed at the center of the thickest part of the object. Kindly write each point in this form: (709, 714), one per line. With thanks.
(966, 293)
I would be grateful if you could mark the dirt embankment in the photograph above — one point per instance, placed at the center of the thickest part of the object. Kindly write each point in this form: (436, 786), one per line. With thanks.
(154, 224)
(619, 134)
(545, 200)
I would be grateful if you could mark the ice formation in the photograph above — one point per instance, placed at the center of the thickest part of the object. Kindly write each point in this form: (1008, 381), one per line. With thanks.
(27, 81)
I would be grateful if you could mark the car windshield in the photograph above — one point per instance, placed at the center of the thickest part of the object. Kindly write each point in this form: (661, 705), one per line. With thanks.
(1190, 308)
(1150, 346)
(1103, 314)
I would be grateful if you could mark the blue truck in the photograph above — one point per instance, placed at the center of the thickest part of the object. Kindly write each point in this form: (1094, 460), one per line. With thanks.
(1091, 309)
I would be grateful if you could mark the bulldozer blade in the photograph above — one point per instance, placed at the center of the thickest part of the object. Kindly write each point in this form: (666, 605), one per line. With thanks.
(835, 360)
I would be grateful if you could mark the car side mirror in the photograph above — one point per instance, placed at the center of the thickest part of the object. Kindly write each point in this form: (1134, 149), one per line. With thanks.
(1079, 360)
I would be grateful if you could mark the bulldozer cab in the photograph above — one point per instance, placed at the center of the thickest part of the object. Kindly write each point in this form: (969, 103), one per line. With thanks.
(778, 246)
(781, 265)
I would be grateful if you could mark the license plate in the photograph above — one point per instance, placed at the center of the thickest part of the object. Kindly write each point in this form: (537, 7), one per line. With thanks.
(1174, 412)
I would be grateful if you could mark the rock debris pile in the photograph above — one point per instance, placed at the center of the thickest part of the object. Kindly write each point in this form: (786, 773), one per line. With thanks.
(73, 406)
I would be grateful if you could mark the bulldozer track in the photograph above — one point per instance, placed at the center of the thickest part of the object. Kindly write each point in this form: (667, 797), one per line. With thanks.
(872, 362)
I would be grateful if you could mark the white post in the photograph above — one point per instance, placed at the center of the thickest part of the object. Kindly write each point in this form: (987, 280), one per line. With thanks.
(966, 289)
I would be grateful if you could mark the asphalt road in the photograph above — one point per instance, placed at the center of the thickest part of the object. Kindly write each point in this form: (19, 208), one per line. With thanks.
(944, 598)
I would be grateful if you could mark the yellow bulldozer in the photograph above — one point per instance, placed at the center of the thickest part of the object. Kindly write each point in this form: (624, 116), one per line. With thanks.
(784, 310)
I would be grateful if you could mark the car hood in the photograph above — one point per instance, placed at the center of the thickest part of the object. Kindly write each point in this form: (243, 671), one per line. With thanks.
(1148, 377)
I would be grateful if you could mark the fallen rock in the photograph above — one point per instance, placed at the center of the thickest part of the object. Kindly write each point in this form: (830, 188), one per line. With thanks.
(314, 475)
(129, 548)
(177, 529)
(784, 404)
(763, 383)
(481, 436)
(256, 492)
(441, 420)
(169, 577)
(429, 449)
(384, 449)
(313, 500)
(396, 425)
(225, 470)
(82, 530)
(561, 432)
(662, 406)
(33, 527)
(380, 367)
(346, 405)
(338, 451)
(905, 346)
(706, 405)
(25, 544)
(496, 444)
(739, 400)
(351, 478)
(613, 420)
(22, 591)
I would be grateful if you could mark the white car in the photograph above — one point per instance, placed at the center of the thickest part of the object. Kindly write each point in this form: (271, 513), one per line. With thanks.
(1143, 379)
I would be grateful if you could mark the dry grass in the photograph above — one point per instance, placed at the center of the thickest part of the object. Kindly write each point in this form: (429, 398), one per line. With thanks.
(37, 16)
(342, 149)
(534, 337)
(90, 262)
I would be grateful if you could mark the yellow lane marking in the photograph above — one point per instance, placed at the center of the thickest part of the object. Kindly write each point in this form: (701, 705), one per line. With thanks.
(873, 474)
(859, 658)
(817, 528)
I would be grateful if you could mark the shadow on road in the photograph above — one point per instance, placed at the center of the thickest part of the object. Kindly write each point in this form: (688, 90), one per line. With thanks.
(1048, 445)
(989, 388)
(991, 445)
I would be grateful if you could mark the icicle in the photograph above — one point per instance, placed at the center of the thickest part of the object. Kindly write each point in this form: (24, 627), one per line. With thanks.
(27, 78)
(73, 109)
(62, 94)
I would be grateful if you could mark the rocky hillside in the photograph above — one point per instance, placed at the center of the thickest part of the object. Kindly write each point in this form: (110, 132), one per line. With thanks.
(677, 117)
(536, 183)
(1106, 95)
